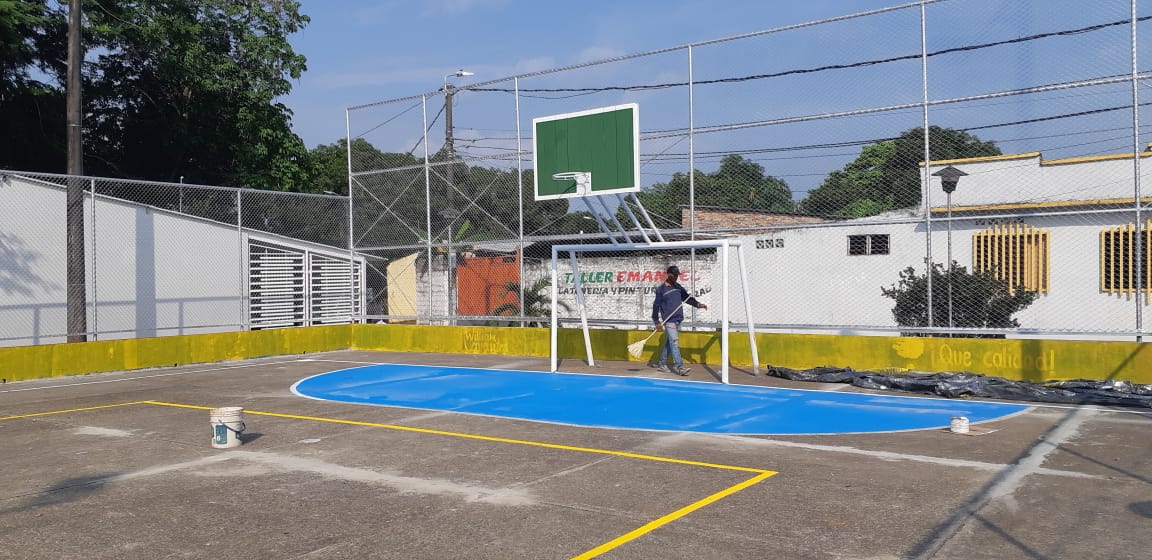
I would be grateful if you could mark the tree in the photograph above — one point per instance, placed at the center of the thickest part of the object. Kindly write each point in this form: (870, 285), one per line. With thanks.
(32, 124)
(172, 88)
(738, 183)
(886, 175)
(979, 299)
(537, 300)
(330, 164)
(489, 200)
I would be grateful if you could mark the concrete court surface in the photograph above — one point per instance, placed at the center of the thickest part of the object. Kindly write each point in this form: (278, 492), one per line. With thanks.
(119, 466)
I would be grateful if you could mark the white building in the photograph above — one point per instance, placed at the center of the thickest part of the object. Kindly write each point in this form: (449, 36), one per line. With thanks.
(1061, 228)
(154, 272)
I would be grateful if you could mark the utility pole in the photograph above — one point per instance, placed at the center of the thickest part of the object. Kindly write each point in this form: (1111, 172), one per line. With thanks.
(74, 207)
(449, 212)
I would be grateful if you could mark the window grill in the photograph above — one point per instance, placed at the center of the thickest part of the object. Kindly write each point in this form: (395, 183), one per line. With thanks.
(276, 287)
(1018, 254)
(1118, 259)
(867, 244)
(293, 287)
(331, 293)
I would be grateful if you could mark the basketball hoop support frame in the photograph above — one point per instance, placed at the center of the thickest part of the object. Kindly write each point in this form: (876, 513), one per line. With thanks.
(722, 261)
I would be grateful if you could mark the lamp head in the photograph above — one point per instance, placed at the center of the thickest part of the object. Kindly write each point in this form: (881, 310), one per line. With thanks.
(949, 177)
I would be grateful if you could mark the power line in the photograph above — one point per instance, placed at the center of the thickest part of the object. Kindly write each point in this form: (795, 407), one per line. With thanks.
(873, 62)
(386, 121)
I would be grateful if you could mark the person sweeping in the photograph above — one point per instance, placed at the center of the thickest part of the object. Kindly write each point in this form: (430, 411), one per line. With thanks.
(667, 314)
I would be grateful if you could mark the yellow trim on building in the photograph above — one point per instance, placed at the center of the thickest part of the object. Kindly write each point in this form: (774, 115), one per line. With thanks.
(1035, 205)
(1064, 161)
(1091, 159)
(1005, 157)
(1029, 360)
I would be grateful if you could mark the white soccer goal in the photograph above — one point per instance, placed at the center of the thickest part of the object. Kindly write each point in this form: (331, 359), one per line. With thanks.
(620, 288)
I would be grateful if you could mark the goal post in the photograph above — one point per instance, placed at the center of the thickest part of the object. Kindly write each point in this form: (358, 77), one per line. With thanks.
(575, 288)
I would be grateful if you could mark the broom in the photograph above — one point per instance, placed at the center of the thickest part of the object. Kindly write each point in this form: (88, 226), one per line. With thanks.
(636, 349)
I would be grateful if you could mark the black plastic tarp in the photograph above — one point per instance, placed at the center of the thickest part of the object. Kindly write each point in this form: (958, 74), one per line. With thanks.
(963, 384)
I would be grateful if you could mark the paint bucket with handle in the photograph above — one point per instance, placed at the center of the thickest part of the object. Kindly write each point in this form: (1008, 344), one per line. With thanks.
(227, 425)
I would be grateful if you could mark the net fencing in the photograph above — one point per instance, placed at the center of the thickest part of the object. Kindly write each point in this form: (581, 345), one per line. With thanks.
(808, 141)
(700, 285)
(169, 258)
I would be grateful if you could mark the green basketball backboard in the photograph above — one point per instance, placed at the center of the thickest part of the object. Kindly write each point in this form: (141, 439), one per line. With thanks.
(587, 153)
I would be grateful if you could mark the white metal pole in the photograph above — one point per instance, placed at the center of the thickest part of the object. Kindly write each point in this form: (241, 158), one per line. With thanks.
(427, 207)
(583, 308)
(724, 312)
(748, 308)
(241, 249)
(692, 171)
(555, 321)
(520, 196)
(691, 153)
(95, 296)
(1141, 266)
(948, 265)
(351, 239)
(924, 175)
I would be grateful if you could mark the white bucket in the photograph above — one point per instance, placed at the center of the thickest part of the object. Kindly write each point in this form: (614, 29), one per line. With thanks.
(227, 425)
(959, 425)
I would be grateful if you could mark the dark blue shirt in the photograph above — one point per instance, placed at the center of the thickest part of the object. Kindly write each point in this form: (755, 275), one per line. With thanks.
(667, 303)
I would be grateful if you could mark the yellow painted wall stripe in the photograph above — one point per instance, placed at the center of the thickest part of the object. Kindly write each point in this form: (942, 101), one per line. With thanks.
(657, 523)
(1013, 359)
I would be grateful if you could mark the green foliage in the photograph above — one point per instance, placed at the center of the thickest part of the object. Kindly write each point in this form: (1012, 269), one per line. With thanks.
(171, 88)
(32, 123)
(189, 88)
(738, 184)
(330, 163)
(887, 175)
(537, 300)
(979, 299)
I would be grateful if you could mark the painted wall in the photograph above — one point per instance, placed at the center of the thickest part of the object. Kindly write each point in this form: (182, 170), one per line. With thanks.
(149, 272)
(402, 293)
(1032, 360)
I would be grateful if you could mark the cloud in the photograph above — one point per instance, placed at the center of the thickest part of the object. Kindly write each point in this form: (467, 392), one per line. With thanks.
(388, 11)
(455, 7)
(592, 54)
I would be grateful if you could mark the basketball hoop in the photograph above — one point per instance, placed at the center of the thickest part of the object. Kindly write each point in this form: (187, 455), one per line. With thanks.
(583, 180)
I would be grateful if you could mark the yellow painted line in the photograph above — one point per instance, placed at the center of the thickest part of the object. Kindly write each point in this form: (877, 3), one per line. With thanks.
(480, 438)
(761, 474)
(654, 524)
(33, 415)
(601, 549)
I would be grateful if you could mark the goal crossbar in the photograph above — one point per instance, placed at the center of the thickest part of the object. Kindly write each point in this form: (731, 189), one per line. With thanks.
(722, 245)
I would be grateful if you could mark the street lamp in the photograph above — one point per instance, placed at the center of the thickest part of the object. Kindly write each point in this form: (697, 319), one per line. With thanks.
(949, 177)
(448, 92)
(450, 213)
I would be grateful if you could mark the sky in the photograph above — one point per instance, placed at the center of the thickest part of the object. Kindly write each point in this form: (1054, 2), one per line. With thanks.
(363, 51)
(366, 51)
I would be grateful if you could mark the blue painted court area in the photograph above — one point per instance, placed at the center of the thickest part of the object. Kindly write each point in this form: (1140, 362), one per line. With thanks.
(639, 403)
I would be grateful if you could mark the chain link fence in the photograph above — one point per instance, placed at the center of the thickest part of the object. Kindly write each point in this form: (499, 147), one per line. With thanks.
(165, 259)
(806, 142)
